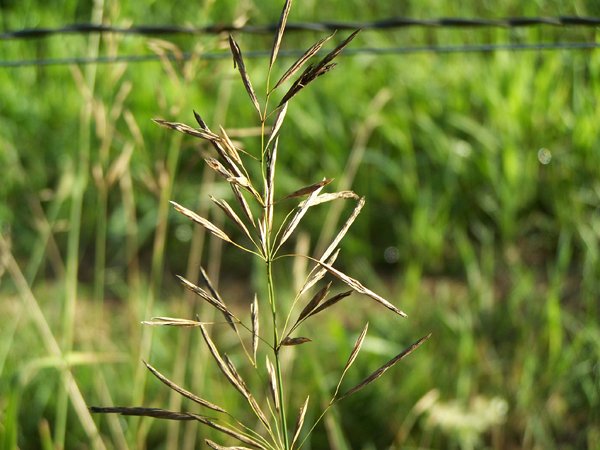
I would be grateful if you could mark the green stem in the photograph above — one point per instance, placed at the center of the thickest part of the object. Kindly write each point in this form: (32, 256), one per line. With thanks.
(276, 348)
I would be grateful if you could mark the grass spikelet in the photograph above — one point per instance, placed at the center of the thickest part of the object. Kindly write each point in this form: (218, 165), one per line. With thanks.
(239, 62)
(385, 367)
(255, 327)
(279, 34)
(352, 357)
(202, 221)
(300, 420)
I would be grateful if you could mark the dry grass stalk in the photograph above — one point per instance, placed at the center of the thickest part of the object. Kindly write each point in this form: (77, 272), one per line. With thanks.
(216, 446)
(265, 244)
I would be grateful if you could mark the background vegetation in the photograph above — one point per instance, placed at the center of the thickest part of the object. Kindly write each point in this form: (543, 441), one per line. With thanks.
(482, 175)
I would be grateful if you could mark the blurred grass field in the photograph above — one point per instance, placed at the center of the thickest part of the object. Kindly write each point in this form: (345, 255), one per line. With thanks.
(482, 222)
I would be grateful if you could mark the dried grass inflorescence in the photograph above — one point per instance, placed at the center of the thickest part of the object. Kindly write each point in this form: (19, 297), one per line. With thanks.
(265, 240)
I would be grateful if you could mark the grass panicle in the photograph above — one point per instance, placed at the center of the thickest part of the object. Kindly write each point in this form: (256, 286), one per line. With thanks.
(265, 236)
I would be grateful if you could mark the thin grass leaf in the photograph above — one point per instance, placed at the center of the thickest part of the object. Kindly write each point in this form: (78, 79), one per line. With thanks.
(330, 302)
(289, 341)
(157, 413)
(255, 327)
(182, 391)
(302, 60)
(334, 244)
(239, 62)
(231, 377)
(318, 274)
(226, 208)
(298, 216)
(272, 383)
(216, 446)
(279, 34)
(300, 421)
(173, 322)
(309, 189)
(352, 357)
(385, 367)
(183, 128)
(277, 124)
(358, 287)
(202, 221)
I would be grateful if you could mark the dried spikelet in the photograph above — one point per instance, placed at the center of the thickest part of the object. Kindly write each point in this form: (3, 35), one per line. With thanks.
(216, 446)
(231, 377)
(230, 147)
(243, 203)
(216, 165)
(255, 327)
(302, 60)
(298, 216)
(352, 357)
(270, 182)
(334, 244)
(330, 302)
(174, 415)
(202, 221)
(208, 297)
(226, 430)
(313, 72)
(277, 124)
(272, 383)
(226, 208)
(215, 294)
(300, 421)
(183, 128)
(245, 183)
(311, 305)
(279, 34)
(200, 121)
(318, 275)
(182, 391)
(143, 412)
(385, 367)
(289, 341)
(239, 62)
(235, 373)
(173, 321)
(323, 198)
(309, 189)
(358, 287)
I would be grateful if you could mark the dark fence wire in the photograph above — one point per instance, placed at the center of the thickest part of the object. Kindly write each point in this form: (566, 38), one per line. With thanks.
(476, 48)
(386, 24)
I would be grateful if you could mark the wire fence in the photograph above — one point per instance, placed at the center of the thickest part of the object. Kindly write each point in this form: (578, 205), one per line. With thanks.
(387, 24)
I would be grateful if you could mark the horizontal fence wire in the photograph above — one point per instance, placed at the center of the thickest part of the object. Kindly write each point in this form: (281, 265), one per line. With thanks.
(184, 56)
(386, 24)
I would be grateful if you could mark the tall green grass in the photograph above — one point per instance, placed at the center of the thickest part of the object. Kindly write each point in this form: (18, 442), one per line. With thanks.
(492, 250)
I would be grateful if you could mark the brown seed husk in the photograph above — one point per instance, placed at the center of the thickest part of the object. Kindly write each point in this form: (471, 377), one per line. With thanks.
(279, 34)
(385, 367)
(358, 287)
(216, 446)
(183, 128)
(272, 383)
(182, 391)
(228, 210)
(328, 197)
(277, 124)
(202, 221)
(300, 421)
(239, 62)
(298, 216)
(217, 303)
(173, 321)
(318, 274)
(314, 302)
(302, 60)
(330, 302)
(289, 341)
(338, 238)
(309, 189)
(255, 327)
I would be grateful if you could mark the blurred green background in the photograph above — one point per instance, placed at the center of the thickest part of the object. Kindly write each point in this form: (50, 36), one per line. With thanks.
(482, 178)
